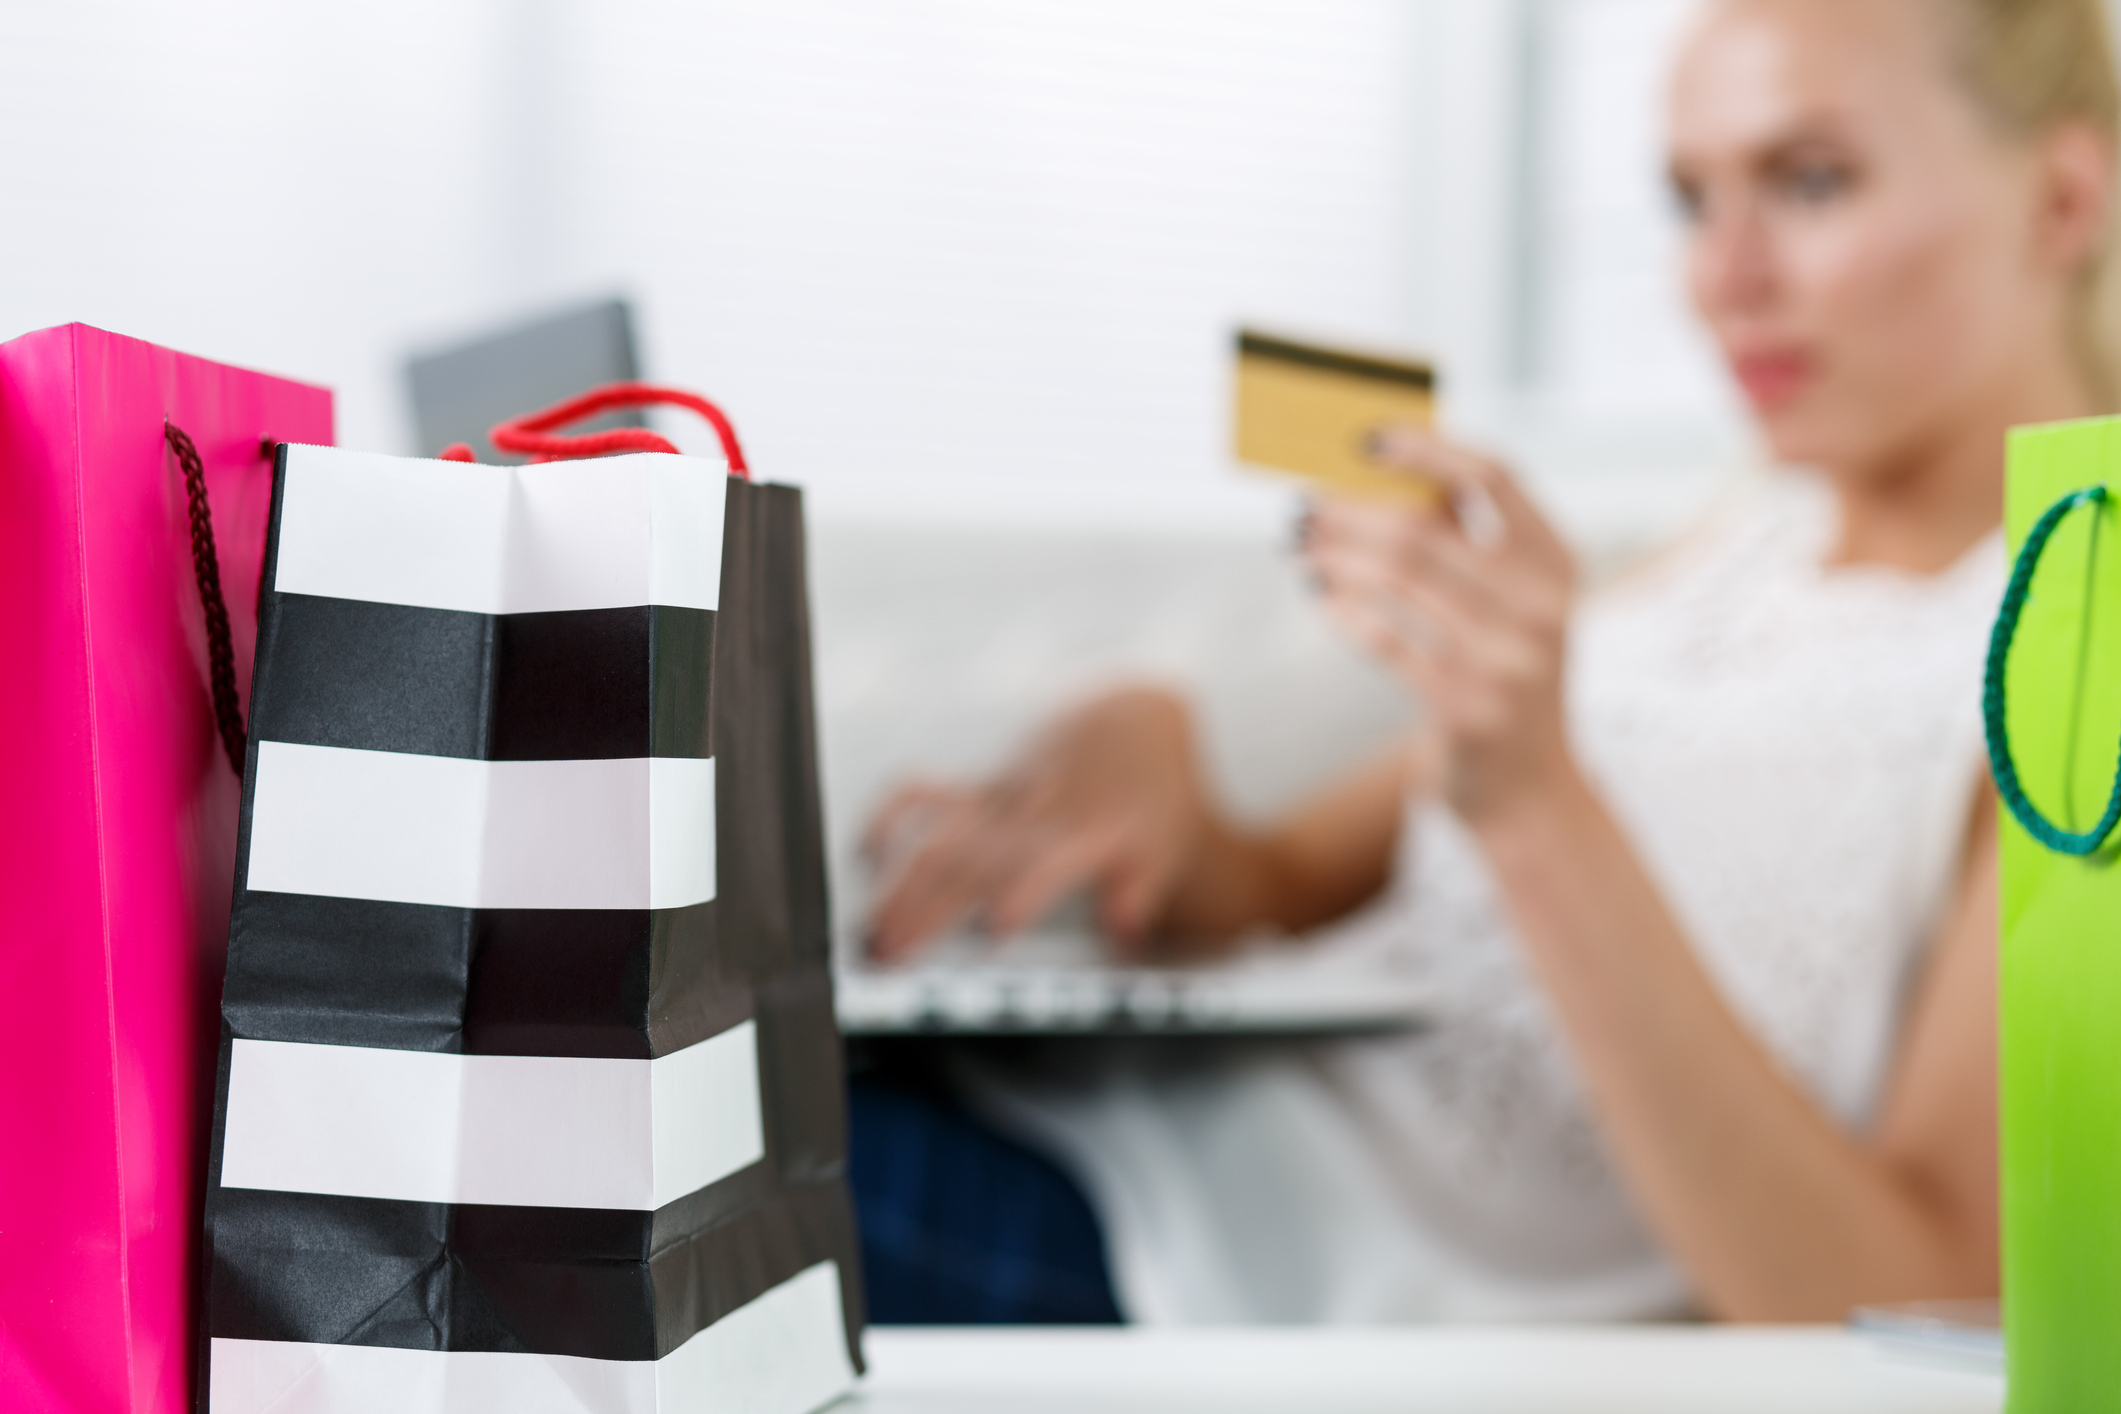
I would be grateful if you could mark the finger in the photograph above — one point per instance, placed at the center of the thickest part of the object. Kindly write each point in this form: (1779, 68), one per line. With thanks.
(1413, 448)
(1468, 480)
(935, 891)
(1531, 584)
(1366, 620)
(903, 807)
(1451, 659)
(1477, 649)
(1507, 585)
(1396, 447)
(966, 870)
(1460, 642)
(1364, 521)
(1452, 607)
(1358, 583)
(1524, 520)
(1419, 547)
(1370, 527)
(912, 916)
(1041, 880)
(1470, 476)
(1369, 608)
(1129, 901)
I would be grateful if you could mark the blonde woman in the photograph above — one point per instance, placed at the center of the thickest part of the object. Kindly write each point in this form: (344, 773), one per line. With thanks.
(1703, 864)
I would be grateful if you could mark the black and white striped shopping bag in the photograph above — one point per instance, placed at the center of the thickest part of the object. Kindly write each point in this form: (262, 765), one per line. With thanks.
(530, 1093)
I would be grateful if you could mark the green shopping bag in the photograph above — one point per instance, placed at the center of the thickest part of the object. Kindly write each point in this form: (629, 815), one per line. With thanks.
(2053, 704)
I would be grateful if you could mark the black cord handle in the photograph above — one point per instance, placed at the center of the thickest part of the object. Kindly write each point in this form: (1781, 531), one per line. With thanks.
(206, 569)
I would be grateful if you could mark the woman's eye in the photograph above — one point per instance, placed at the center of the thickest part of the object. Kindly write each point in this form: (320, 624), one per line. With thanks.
(1815, 183)
(1687, 200)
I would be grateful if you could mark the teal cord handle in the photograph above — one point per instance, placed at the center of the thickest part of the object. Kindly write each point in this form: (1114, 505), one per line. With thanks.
(1999, 651)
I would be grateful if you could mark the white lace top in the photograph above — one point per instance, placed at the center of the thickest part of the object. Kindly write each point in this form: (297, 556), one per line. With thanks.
(1791, 748)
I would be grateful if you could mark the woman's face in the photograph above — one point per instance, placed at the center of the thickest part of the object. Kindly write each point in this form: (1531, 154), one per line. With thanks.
(1860, 244)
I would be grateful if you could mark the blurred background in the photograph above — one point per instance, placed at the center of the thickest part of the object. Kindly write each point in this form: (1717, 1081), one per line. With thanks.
(941, 259)
(967, 272)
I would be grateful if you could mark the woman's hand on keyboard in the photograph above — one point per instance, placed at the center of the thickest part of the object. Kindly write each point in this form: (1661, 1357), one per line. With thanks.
(1109, 798)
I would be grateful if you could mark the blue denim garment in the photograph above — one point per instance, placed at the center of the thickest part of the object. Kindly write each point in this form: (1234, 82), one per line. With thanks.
(962, 1226)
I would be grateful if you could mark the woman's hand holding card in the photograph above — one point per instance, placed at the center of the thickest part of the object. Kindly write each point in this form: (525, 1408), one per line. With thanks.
(1469, 603)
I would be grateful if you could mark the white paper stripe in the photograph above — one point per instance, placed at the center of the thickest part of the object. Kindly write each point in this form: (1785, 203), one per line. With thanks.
(629, 833)
(545, 1131)
(785, 1353)
(609, 533)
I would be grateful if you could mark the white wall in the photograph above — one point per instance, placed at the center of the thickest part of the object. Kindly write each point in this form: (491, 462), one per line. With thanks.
(294, 187)
(1617, 398)
(939, 257)
(995, 250)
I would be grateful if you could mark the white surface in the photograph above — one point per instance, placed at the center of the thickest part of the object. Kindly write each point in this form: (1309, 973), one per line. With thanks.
(544, 1131)
(630, 832)
(1968, 1332)
(612, 533)
(706, 1120)
(784, 1353)
(1464, 1370)
(681, 838)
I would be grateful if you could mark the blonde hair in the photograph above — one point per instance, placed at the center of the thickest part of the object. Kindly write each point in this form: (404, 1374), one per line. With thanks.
(2029, 65)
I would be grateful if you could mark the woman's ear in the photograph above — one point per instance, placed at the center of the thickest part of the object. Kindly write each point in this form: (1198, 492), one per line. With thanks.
(2076, 194)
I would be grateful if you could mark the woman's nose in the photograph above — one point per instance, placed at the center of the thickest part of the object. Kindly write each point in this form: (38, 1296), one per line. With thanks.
(1731, 260)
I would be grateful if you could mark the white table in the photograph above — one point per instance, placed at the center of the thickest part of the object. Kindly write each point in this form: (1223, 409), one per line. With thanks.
(1485, 1370)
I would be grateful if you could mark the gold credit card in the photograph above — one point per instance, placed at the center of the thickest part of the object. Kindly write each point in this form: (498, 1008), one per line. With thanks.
(1306, 410)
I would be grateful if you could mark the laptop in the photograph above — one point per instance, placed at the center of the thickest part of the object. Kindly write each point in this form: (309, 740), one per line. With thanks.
(460, 391)
(942, 648)
(1059, 983)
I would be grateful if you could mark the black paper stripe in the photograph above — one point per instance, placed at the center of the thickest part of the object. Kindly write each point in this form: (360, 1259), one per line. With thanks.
(586, 684)
(601, 1284)
(410, 977)
(416, 977)
(538, 982)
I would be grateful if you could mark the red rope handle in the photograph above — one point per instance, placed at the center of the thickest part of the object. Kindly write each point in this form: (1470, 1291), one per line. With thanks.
(533, 434)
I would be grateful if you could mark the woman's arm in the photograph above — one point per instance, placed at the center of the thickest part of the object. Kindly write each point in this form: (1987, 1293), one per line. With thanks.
(1324, 859)
(1775, 1210)
(1111, 797)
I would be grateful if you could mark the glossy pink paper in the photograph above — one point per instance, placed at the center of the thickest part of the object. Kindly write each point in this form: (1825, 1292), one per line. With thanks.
(117, 847)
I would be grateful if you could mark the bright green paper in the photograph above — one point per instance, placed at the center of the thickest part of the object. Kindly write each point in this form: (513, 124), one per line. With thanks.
(2061, 940)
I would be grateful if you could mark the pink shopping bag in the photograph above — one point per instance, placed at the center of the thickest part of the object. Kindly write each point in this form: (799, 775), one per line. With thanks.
(117, 839)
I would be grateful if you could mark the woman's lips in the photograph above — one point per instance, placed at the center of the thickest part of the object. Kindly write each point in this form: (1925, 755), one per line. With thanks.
(1771, 379)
